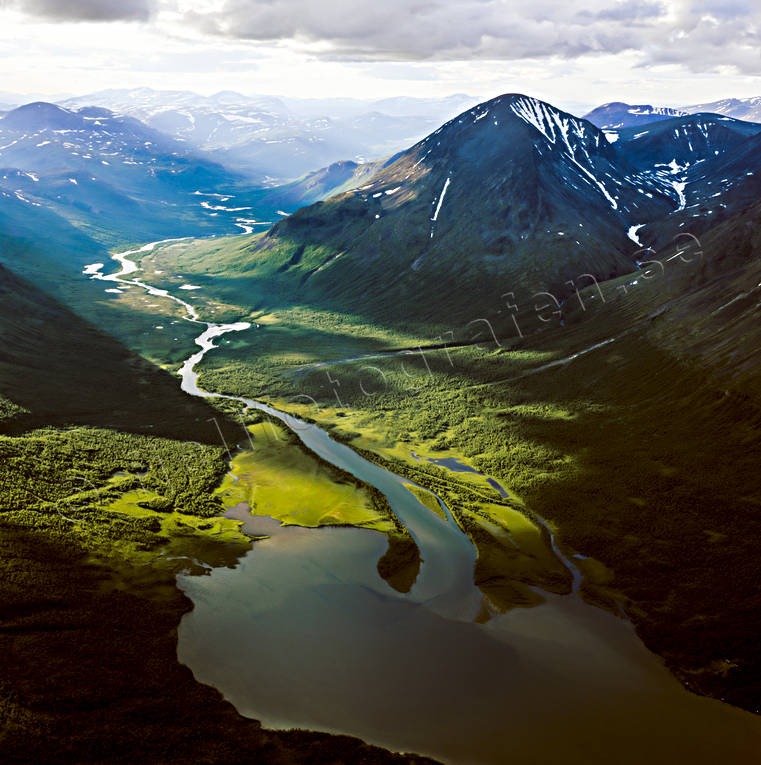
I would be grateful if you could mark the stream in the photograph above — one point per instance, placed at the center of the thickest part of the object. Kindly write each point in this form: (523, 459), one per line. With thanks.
(305, 633)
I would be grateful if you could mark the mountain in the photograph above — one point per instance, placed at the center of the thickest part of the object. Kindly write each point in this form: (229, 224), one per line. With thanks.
(707, 161)
(620, 115)
(739, 108)
(270, 138)
(725, 186)
(39, 114)
(113, 175)
(511, 194)
(316, 186)
(685, 140)
(673, 153)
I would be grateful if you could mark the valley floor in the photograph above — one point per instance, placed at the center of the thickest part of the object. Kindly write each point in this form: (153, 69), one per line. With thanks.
(642, 458)
(642, 463)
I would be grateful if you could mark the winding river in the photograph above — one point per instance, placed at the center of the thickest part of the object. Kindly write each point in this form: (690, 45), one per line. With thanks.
(304, 633)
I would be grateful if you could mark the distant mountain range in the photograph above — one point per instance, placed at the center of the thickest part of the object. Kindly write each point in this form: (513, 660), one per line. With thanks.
(739, 108)
(617, 114)
(115, 177)
(270, 138)
(119, 179)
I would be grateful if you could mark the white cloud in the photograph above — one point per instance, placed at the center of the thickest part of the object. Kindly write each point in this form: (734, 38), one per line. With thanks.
(699, 34)
(591, 51)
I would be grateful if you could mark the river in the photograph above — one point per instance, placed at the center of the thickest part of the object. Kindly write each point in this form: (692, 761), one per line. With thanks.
(305, 633)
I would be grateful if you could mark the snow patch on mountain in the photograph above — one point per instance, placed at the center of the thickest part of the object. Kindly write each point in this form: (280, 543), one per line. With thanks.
(560, 131)
(440, 202)
(632, 233)
(663, 111)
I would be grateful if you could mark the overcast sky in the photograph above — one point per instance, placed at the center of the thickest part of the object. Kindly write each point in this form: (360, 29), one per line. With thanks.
(666, 52)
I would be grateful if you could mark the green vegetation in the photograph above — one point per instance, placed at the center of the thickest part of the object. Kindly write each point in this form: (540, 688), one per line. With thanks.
(9, 410)
(121, 496)
(635, 455)
(280, 480)
(426, 498)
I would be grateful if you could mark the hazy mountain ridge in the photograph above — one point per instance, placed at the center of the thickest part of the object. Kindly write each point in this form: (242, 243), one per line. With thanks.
(548, 180)
(739, 108)
(272, 138)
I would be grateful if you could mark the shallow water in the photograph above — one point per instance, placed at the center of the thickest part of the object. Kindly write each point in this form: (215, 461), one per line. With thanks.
(453, 464)
(304, 633)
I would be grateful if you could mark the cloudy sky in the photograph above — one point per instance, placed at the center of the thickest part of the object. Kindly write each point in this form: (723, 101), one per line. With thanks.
(571, 53)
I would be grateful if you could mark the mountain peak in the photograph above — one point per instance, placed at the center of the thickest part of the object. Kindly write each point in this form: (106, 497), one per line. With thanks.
(39, 115)
(553, 123)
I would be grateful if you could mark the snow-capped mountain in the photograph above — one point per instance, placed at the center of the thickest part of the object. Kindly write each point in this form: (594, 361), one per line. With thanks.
(44, 137)
(687, 139)
(617, 115)
(685, 157)
(271, 138)
(723, 186)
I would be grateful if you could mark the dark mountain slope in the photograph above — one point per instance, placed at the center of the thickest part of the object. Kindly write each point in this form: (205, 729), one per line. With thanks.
(716, 319)
(61, 370)
(682, 388)
(684, 140)
(42, 246)
(728, 184)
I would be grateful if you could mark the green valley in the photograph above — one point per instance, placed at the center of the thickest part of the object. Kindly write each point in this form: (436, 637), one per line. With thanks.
(458, 458)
